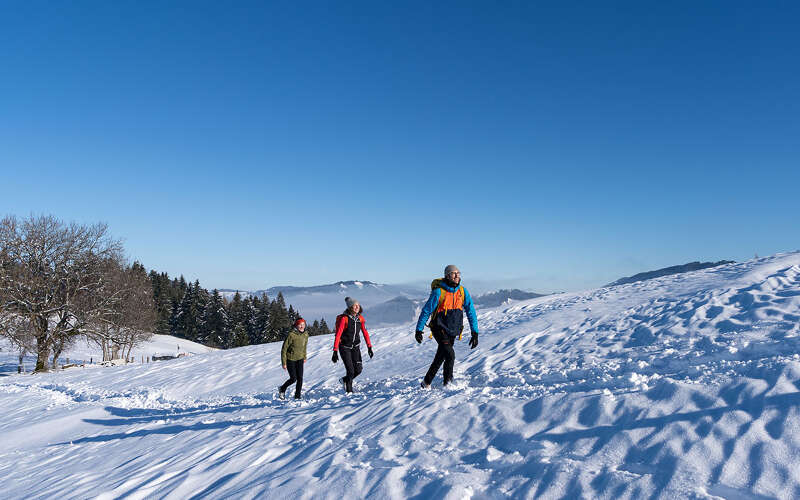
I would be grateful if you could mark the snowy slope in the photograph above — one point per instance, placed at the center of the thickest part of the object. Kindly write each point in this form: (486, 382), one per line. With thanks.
(685, 386)
(85, 352)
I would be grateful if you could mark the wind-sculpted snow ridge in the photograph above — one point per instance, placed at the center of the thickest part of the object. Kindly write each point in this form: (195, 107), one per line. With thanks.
(685, 386)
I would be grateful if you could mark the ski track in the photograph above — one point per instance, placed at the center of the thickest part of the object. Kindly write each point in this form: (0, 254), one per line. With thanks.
(682, 386)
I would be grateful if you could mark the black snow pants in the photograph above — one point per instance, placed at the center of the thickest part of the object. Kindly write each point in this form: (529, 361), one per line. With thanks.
(295, 369)
(351, 359)
(444, 354)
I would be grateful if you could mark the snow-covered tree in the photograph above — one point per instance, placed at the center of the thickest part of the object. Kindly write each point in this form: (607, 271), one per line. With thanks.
(261, 319)
(130, 320)
(239, 336)
(53, 275)
(279, 321)
(216, 324)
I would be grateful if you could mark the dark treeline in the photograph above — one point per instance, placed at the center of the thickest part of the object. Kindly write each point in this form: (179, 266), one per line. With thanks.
(189, 311)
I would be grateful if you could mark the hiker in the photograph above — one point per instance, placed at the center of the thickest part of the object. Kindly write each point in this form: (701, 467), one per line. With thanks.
(293, 356)
(348, 342)
(446, 306)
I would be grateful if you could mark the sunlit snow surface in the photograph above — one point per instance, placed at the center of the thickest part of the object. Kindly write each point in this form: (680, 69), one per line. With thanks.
(686, 386)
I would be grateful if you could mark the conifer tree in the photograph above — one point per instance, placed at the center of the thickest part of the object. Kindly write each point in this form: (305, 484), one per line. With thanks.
(278, 319)
(236, 309)
(187, 315)
(239, 336)
(262, 319)
(323, 328)
(215, 321)
(249, 314)
(201, 299)
(174, 319)
(187, 310)
(162, 301)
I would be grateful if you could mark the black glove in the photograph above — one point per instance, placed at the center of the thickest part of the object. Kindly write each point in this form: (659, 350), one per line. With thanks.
(335, 357)
(418, 336)
(473, 341)
(369, 351)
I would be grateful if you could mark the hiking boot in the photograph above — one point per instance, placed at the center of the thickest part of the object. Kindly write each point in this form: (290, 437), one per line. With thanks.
(344, 384)
(424, 385)
(281, 393)
(297, 397)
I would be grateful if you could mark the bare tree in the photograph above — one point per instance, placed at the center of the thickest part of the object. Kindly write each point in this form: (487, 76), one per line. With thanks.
(53, 275)
(18, 331)
(139, 317)
(129, 320)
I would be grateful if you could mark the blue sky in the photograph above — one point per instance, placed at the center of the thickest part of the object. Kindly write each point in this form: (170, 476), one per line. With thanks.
(551, 146)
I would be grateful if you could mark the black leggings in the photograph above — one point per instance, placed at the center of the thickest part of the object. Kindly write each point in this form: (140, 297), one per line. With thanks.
(295, 369)
(351, 359)
(445, 353)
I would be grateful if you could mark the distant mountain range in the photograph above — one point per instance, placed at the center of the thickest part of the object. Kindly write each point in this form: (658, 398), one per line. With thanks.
(666, 271)
(354, 288)
(383, 304)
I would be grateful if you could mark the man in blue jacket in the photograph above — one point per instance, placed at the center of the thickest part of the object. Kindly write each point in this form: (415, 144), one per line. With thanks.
(446, 306)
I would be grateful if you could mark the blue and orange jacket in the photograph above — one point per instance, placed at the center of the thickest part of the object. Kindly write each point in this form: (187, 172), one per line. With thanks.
(448, 317)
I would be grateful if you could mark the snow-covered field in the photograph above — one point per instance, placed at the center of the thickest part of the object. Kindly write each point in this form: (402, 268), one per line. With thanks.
(84, 352)
(686, 386)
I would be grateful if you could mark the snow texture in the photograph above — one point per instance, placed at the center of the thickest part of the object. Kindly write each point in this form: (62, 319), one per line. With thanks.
(685, 386)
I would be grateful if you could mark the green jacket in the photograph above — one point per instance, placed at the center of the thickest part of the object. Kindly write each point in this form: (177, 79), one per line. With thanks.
(294, 347)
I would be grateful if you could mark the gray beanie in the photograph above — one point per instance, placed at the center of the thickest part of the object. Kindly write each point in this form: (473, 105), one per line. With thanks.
(449, 269)
(350, 302)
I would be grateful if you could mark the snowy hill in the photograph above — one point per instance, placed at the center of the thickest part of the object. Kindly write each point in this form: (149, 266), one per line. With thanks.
(396, 311)
(504, 296)
(85, 352)
(666, 271)
(685, 386)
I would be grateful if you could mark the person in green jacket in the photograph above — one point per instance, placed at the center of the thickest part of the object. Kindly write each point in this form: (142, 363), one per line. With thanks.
(293, 356)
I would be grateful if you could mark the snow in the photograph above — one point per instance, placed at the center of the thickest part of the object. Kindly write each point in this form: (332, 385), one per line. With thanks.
(84, 352)
(685, 386)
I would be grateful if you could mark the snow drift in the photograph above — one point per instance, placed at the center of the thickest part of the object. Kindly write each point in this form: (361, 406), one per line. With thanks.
(682, 386)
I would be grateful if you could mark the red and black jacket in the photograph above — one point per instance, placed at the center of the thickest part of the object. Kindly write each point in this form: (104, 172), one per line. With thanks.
(348, 328)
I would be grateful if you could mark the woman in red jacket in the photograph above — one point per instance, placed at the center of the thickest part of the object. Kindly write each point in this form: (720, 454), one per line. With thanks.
(349, 325)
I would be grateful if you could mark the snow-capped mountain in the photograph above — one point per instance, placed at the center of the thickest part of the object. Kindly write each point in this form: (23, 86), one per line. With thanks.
(684, 386)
